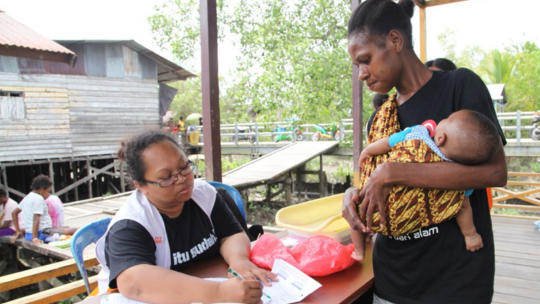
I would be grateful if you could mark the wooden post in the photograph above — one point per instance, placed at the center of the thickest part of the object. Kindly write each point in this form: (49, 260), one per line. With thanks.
(288, 188)
(89, 183)
(4, 175)
(423, 45)
(321, 177)
(51, 175)
(74, 172)
(210, 90)
(122, 178)
(358, 122)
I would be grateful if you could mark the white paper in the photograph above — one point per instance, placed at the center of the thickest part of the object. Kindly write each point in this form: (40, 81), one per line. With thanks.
(118, 298)
(293, 284)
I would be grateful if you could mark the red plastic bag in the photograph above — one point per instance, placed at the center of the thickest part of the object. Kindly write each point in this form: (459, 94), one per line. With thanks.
(316, 256)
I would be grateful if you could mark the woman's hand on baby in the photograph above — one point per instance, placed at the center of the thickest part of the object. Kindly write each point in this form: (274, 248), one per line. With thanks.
(349, 208)
(236, 290)
(250, 271)
(374, 194)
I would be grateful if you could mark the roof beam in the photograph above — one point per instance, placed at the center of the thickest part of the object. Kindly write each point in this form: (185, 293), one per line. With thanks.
(420, 3)
(439, 2)
(423, 33)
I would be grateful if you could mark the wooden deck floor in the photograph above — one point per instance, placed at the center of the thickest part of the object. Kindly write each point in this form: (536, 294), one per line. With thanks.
(517, 261)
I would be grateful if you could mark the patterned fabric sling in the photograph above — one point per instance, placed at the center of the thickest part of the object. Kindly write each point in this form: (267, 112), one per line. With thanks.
(408, 209)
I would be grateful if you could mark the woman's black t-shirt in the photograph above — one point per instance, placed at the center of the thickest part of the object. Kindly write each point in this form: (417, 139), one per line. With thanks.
(192, 237)
(433, 265)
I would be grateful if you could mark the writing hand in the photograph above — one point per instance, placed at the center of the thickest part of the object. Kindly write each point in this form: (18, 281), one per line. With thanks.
(236, 290)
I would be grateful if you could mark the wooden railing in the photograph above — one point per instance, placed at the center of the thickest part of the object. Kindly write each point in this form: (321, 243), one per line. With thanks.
(516, 125)
(524, 187)
(49, 272)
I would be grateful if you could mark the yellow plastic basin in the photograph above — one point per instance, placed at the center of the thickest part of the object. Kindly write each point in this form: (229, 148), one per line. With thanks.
(320, 216)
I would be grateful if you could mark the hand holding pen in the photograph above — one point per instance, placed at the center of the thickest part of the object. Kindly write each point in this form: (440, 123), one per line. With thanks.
(236, 274)
(240, 291)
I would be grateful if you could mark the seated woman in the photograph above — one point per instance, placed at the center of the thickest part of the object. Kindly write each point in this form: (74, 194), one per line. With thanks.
(169, 222)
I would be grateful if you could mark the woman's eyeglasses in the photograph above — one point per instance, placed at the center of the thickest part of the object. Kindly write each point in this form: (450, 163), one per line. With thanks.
(171, 180)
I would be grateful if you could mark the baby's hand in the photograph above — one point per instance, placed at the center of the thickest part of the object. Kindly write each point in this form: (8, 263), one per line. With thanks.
(362, 159)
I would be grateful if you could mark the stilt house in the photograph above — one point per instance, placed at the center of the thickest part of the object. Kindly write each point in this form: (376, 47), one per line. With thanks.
(67, 122)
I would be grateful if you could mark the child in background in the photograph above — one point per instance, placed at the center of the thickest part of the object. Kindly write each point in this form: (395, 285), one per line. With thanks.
(466, 137)
(35, 214)
(7, 206)
(56, 211)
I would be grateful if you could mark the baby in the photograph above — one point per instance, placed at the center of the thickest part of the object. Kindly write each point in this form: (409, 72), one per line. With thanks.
(466, 137)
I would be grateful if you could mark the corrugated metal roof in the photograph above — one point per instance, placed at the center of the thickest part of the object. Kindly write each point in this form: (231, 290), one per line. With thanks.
(17, 40)
(167, 70)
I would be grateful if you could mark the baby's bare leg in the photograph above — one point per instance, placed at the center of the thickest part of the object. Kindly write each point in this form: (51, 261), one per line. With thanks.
(473, 240)
(358, 238)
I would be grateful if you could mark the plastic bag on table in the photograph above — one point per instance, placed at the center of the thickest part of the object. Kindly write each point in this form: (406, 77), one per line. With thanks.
(316, 256)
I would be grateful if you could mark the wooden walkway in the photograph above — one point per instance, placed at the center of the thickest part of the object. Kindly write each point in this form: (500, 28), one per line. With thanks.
(517, 261)
(277, 163)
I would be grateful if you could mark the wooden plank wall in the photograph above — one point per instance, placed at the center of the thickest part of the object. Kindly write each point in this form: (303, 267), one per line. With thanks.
(104, 111)
(44, 130)
(68, 115)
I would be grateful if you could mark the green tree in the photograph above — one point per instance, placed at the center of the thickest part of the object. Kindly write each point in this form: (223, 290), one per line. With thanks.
(524, 85)
(293, 61)
(188, 99)
(497, 67)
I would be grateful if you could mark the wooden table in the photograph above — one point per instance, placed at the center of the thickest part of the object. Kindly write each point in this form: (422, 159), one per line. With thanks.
(341, 287)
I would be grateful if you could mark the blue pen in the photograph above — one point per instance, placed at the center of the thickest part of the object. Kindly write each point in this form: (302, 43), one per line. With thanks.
(236, 274)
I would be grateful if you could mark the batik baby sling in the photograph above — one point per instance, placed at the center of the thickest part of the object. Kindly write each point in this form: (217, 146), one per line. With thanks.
(408, 209)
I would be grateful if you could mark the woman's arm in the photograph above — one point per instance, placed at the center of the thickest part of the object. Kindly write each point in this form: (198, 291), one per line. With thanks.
(440, 175)
(154, 284)
(235, 250)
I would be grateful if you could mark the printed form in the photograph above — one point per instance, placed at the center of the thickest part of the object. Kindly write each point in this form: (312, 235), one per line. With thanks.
(293, 284)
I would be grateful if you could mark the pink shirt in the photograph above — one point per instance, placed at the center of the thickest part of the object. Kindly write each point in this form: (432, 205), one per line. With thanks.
(5, 213)
(56, 210)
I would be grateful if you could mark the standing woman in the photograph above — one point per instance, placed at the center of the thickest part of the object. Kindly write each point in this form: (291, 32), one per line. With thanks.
(167, 224)
(436, 267)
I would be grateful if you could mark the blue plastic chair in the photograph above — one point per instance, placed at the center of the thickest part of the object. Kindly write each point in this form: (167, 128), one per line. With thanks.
(83, 237)
(236, 196)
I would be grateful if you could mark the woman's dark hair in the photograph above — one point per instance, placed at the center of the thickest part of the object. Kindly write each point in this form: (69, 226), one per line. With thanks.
(379, 99)
(3, 192)
(41, 182)
(442, 63)
(132, 150)
(378, 17)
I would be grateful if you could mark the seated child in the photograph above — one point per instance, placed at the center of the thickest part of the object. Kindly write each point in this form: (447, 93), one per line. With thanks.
(466, 137)
(7, 206)
(56, 212)
(35, 214)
